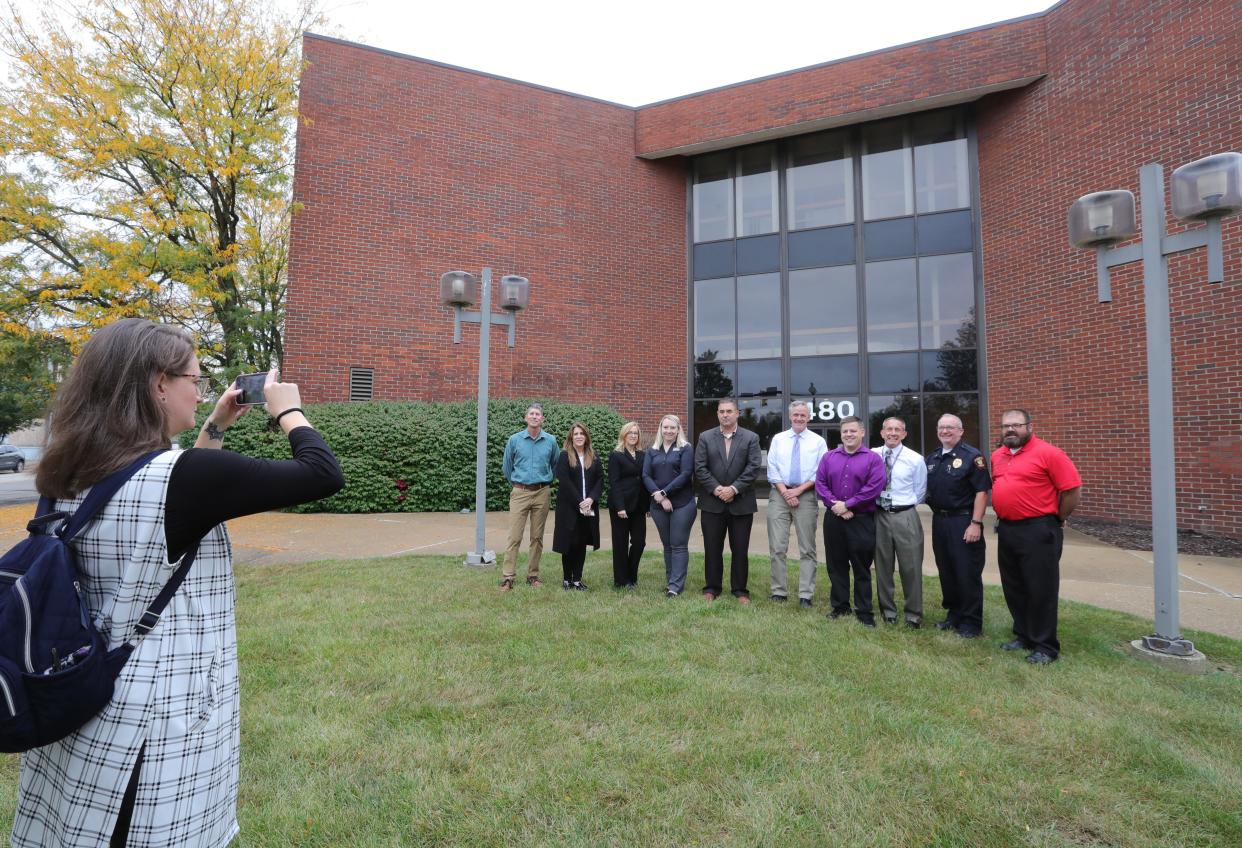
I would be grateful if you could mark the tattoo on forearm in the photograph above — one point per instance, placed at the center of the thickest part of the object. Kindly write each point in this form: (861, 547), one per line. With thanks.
(213, 432)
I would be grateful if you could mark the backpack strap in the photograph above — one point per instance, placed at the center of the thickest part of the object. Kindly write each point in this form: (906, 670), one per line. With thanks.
(151, 617)
(99, 496)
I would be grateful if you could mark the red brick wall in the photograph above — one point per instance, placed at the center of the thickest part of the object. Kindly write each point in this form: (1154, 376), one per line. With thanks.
(980, 58)
(1127, 84)
(406, 169)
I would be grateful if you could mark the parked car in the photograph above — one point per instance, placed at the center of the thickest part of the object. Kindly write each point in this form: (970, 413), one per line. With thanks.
(11, 459)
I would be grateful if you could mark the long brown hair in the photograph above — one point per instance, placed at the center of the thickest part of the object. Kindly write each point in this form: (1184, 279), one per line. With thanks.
(105, 413)
(588, 452)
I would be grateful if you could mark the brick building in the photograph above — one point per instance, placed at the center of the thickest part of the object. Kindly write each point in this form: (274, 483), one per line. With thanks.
(884, 233)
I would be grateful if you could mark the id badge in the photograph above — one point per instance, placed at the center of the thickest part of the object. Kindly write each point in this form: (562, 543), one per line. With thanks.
(886, 499)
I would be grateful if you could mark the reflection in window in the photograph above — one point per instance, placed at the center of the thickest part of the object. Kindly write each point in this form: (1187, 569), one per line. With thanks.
(823, 311)
(941, 178)
(714, 259)
(759, 316)
(756, 255)
(823, 375)
(831, 246)
(892, 306)
(903, 406)
(763, 416)
(947, 300)
(964, 406)
(950, 370)
(703, 418)
(759, 378)
(945, 232)
(714, 325)
(756, 191)
(887, 181)
(893, 372)
(819, 181)
(713, 198)
(714, 379)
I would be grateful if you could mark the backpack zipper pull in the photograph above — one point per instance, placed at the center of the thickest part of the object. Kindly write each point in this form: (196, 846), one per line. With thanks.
(77, 587)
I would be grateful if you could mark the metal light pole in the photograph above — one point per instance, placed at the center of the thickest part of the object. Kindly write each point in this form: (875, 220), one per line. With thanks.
(459, 290)
(1206, 189)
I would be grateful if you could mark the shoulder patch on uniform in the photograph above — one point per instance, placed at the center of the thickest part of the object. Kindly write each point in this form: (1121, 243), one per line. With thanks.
(979, 463)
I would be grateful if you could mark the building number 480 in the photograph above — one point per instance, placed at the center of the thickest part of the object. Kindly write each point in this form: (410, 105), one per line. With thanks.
(827, 410)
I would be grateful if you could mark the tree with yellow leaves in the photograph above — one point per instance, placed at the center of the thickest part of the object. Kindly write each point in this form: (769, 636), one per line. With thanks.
(145, 169)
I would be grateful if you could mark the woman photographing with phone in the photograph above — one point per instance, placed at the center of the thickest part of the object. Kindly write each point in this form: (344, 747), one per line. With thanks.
(577, 519)
(158, 766)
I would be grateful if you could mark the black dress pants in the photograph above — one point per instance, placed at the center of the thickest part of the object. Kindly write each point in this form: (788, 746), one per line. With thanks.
(960, 565)
(716, 525)
(850, 545)
(629, 538)
(1029, 553)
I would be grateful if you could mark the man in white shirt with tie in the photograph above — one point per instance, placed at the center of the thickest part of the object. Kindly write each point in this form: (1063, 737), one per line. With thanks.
(898, 529)
(793, 457)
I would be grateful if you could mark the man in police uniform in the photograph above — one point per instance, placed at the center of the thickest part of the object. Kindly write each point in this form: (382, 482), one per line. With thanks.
(957, 492)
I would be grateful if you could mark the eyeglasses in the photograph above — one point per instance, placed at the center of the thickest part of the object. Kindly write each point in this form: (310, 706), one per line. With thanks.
(1015, 426)
(199, 380)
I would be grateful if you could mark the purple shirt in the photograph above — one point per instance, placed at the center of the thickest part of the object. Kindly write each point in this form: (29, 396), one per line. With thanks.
(855, 478)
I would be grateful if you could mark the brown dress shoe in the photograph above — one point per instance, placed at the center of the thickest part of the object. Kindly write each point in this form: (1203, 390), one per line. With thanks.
(743, 599)
(534, 582)
(506, 584)
(708, 596)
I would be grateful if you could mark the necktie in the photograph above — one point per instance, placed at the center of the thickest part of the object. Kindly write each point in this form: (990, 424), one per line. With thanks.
(888, 468)
(795, 465)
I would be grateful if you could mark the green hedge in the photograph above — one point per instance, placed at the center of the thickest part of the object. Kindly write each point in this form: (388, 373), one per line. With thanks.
(416, 457)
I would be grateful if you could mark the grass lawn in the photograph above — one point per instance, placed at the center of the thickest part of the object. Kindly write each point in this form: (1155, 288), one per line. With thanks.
(407, 702)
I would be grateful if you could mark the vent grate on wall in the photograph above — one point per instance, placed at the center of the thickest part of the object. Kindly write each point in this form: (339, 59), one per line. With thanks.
(361, 384)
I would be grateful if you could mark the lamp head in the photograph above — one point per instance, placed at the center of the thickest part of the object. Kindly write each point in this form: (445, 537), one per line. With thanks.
(458, 288)
(1210, 187)
(514, 293)
(1102, 217)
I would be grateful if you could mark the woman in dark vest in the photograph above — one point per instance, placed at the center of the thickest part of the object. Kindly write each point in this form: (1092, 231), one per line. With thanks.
(577, 520)
(627, 506)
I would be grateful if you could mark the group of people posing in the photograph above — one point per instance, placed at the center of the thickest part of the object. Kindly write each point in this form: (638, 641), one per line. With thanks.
(869, 499)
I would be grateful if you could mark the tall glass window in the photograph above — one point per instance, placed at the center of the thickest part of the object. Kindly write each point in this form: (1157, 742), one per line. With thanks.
(872, 314)
(713, 197)
(756, 191)
(820, 181)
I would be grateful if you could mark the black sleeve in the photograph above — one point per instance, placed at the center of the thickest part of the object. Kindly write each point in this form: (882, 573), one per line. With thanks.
(209, 486)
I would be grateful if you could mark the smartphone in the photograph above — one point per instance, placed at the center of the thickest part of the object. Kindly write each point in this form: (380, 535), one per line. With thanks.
(251, 386)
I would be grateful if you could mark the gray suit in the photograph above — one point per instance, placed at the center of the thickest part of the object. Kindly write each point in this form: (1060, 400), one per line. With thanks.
(738, 469)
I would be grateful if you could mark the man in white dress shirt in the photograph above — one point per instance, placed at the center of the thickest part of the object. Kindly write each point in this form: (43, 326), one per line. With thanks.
(793, 457)
(898, 529)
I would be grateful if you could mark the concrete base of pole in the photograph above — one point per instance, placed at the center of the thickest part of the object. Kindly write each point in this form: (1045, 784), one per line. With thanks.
(477, 560)
(1195, 663)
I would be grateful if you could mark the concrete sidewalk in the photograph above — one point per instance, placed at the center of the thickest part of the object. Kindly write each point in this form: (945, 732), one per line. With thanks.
(1091, 571)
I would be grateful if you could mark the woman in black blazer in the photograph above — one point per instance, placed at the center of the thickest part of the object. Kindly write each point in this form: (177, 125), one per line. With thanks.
(668, 472)
(577, 520)
(627, 506)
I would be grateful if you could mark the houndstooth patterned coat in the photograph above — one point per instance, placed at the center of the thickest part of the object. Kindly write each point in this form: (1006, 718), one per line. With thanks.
(178, 693)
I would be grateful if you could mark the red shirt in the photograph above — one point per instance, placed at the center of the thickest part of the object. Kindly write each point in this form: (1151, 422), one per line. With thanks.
(1028, 484)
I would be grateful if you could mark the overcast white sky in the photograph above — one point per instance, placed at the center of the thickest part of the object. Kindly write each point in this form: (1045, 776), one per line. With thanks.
(643, 51)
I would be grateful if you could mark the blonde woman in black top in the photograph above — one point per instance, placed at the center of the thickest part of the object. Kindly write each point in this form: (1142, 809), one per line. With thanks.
(628, 501)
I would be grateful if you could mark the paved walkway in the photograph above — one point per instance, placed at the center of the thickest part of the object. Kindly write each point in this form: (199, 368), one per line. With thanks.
(1091, 571)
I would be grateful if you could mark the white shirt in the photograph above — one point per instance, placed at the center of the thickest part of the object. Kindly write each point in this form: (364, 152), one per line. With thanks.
(909, 479)
(810, 452)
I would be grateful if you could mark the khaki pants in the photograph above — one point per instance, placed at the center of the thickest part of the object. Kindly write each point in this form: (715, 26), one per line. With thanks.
(526, 505)
(899, 538)
(805, 520)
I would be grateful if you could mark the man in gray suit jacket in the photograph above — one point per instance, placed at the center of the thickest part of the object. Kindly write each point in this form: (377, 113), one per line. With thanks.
(726, 461)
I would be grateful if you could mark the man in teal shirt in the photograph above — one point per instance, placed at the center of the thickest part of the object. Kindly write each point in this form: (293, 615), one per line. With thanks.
(529, 455)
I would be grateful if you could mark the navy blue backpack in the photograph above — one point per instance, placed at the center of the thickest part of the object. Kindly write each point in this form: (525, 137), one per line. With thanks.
(55, 670)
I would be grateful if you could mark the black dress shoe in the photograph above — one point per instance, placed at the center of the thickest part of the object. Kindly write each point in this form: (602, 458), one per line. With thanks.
(867, 622)
(777, 598)
(805, 603)
(1013, 645)
(914, 625)
(945, 625)
(565, 584)
(969, 634)
(580, 586)
(1039, 658)
(835, 614)
(888, 620)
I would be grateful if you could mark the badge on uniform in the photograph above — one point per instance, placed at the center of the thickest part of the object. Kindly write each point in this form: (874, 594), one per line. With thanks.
(979, 463)
(957, 462)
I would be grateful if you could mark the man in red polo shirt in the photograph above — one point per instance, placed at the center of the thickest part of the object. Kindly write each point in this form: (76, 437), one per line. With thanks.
(1035, 487)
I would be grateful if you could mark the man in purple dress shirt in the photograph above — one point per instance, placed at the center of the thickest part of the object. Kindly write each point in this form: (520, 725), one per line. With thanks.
(849, 480)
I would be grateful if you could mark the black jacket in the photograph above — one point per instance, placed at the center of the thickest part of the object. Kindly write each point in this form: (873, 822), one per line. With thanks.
(625, 483)
(568, 495)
